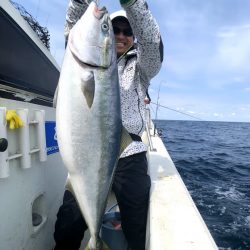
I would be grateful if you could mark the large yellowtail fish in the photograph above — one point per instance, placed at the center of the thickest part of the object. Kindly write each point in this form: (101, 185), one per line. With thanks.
(88, 116)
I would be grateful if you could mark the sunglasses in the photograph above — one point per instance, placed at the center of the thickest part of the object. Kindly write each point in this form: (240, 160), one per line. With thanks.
(125, 32)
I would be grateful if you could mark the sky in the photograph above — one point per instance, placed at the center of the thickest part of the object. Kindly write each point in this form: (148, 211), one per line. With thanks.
(206, 69)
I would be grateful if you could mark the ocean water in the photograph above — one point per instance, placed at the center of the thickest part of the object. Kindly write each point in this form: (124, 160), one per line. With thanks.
(213, 159)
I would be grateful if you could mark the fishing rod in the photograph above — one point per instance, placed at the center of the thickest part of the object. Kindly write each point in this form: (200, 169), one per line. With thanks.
(159, 105)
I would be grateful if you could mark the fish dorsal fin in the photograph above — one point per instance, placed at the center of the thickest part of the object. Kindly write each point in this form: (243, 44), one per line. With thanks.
(88, 87)
(125, 140)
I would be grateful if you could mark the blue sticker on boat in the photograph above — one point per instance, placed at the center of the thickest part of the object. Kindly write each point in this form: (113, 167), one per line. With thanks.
(51, 137)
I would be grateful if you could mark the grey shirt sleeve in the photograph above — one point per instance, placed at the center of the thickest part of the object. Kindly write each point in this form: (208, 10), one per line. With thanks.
(147, 33)
(75, 10)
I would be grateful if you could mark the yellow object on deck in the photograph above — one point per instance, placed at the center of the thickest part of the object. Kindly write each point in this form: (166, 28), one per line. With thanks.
(13, 119)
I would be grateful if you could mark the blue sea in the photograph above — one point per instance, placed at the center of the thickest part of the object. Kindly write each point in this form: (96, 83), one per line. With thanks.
(213, 159)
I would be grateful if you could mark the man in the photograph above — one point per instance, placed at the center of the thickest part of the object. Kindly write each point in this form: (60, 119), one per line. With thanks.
(137, 65)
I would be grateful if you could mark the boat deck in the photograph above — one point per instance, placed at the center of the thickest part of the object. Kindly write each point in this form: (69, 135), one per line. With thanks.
(174, 222)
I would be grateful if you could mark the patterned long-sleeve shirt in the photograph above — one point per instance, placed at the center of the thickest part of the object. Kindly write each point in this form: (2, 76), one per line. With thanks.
(136, 68)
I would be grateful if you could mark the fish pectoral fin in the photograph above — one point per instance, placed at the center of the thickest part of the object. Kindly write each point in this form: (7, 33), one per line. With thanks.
(88, 87)
(125, 140)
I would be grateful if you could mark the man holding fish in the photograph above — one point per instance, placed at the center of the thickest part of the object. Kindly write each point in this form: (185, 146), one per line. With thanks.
(136, 63)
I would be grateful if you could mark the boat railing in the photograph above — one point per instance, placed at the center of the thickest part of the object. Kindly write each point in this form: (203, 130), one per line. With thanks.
(148, 124)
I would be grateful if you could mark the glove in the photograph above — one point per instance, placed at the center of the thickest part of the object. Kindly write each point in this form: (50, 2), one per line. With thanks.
(13, 119)
(126, 3)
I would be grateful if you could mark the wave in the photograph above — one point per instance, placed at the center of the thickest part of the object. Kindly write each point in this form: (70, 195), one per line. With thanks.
(230, 193)
(213, 159)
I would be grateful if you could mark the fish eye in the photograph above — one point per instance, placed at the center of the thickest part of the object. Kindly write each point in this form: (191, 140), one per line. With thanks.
(105, 27)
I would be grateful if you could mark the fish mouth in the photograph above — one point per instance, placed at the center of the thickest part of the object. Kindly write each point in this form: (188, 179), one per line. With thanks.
(88, 64)
(99, 13)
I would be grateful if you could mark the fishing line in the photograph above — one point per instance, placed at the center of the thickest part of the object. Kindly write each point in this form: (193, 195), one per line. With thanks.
(151, 108)
(159, 105)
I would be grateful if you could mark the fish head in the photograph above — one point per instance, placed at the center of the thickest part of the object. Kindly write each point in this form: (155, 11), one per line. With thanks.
(91, 40)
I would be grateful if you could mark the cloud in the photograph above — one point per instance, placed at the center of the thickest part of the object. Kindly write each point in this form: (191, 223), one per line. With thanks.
(206, 69)
(206, 42)
(233, 47)
(174, 85)
(200, 107)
